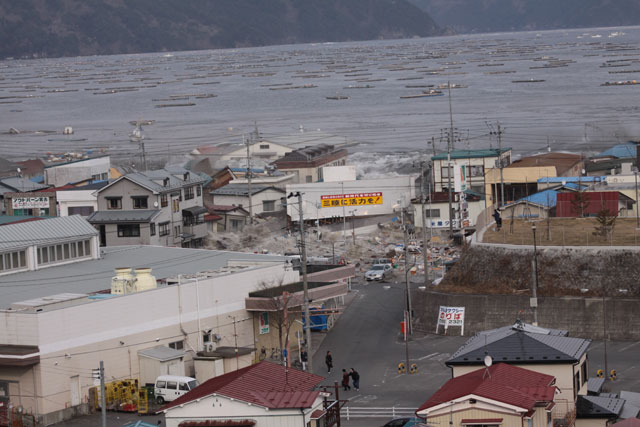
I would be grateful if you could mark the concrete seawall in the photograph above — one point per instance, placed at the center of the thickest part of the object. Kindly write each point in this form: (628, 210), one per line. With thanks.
(581, 316)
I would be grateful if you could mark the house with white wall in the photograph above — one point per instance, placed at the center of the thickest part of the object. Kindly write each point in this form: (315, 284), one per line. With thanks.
(263, 199)
(78, 200)
(262, 395)
(543, 350)
(82, 169)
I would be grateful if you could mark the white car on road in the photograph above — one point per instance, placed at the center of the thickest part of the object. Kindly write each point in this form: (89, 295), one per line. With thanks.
(378, 272)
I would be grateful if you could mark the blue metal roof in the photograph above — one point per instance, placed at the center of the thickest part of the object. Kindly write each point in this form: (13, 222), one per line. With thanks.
(621, 151)
(565, 179)
(546, 198)
(470, 154)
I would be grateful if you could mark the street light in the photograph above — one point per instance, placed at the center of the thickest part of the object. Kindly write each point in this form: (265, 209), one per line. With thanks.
(635, 173)
(534, 299)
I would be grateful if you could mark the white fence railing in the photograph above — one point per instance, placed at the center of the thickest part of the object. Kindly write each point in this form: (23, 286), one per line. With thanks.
(349, 412)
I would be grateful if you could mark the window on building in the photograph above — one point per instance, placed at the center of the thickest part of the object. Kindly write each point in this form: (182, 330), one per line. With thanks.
(177, 345)
(476, 170)
(114, 202)
(152, 229)
(432, 213)
(65, 250)
(576, 384)
(175, 204)
(43, 212)
(188, 193)
(163, 201)
(128, 230)
(444, 171)
(13, 260)
(583, 372)
(236, 224)
(268, 205)
(308, 178)
(176, 231)
(80, 210)
(206, 337)
(164, 229)
(198, 190)
(264, 146)
(140, 202)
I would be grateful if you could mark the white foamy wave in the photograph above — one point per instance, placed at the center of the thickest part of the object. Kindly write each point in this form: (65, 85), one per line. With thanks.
(371, 165)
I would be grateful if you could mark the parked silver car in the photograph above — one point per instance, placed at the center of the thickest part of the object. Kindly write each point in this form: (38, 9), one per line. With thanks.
(378, 272)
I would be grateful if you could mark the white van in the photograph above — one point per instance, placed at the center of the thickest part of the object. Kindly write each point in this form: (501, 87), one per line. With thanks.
(171, 387)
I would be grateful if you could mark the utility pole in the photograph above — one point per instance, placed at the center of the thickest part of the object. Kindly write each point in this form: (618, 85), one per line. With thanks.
(534, 299)
(235, 337)
(305, 284)
(103, 396)
(406, 274)
(247, 143)
(344, 217)
(449, 168)
(501, 166)
(423, 200)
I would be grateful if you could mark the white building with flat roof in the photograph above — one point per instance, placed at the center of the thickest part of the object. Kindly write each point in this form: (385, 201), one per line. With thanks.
(57, 324)
(364, 197)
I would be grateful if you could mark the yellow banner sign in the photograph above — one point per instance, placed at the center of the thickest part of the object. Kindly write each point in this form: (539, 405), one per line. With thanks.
(357, 199)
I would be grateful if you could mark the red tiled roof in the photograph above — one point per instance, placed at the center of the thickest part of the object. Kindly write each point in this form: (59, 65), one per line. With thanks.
(212, 217)
(504, 383)
(629, 422)
(481, 420)
(265, 384)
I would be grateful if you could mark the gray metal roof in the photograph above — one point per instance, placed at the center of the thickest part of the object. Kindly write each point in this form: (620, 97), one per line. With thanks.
(594, 384)
(47, 231)
(520, 344)
(19, 185)
(153, 180)
(162, 353)
(598, 407)
(110, 217)
(243, 190)
(631, 407)
(95, 275)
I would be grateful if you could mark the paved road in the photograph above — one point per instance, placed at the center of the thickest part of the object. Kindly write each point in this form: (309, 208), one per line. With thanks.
(367, 338)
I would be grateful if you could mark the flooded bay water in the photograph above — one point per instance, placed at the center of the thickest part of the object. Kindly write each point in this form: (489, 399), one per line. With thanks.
(543, 88)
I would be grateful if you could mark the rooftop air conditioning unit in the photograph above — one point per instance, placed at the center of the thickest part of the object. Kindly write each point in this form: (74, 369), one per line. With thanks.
(210, 347)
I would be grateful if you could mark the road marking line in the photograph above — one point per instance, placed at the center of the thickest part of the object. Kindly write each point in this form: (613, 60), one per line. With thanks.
(629, 346)
(428, 356)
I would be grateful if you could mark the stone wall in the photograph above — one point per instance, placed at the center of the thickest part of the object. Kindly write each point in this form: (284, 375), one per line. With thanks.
(583, 271)
(581, 316)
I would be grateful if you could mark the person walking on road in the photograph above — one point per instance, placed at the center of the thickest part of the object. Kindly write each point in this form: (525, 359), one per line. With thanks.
(329, 361)
(345, 380)
(304, 358)
(355, 377)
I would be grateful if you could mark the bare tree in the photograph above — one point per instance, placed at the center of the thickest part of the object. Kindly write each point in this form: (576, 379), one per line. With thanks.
(278, 305)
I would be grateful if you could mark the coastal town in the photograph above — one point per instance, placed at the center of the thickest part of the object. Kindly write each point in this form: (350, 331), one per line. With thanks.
(266, 282)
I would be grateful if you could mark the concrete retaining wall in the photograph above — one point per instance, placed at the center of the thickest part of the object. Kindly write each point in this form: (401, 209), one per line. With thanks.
(581, 316)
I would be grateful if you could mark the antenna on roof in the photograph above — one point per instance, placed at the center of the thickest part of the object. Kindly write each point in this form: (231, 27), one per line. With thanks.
(488, 361)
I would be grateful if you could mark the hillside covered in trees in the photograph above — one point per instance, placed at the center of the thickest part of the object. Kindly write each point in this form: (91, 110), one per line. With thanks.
(469, 16)
(49, 28)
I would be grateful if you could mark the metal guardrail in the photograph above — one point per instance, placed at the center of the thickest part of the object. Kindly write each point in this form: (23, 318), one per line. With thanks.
(349, 412)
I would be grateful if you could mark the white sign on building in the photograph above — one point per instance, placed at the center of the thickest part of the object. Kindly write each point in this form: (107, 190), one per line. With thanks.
(30, 202)
(451, 316)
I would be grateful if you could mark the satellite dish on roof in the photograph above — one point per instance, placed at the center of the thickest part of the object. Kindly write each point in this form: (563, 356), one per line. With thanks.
(488, 361)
